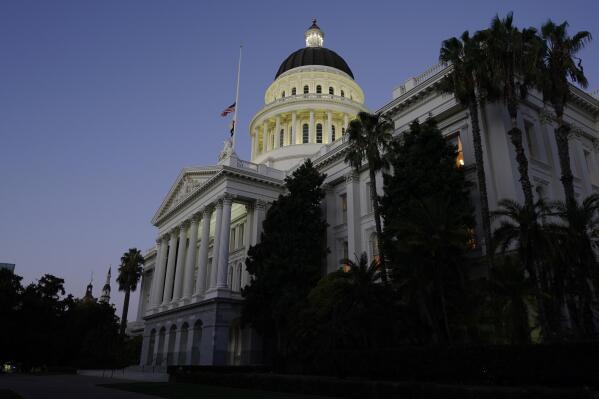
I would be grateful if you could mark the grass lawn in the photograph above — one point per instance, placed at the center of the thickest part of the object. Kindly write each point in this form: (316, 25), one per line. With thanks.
(195, 391)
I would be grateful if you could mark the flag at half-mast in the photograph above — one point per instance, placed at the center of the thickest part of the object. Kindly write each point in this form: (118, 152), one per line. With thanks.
(229, 110)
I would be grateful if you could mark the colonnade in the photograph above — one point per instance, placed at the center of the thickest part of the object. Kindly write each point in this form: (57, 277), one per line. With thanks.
(267, 135)
(176, 258)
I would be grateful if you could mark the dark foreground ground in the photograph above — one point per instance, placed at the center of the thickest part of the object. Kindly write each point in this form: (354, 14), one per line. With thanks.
(17, 386)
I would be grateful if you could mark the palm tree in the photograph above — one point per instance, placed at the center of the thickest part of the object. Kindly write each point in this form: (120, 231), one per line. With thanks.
(512, 59)
(369, 136)
(129, 274)
(511, 292)
(521, 227)
(576, 276)
(465, 56)
(560, 65)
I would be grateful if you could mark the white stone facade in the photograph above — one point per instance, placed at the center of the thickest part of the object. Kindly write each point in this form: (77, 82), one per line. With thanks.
(189, 298)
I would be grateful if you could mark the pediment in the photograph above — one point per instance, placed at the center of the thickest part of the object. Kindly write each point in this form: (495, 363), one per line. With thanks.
(188, 181)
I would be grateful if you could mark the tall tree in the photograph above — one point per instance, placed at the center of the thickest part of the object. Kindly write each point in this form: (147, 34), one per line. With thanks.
(561, 66)
(288, 261)
(130, 271)
(369, 137)
(512, 58)
(465, 56)
(428, 223)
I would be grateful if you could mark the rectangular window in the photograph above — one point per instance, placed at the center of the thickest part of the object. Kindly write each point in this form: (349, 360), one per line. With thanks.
(343, 198)
(344, 256)
(232, 245)
(529, 132)
(369, 205)
(240, 235)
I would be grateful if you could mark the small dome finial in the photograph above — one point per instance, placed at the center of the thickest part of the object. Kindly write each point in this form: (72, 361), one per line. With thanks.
(314, 36)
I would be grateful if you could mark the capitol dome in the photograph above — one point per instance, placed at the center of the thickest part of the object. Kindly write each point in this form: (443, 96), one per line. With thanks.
(308, 106)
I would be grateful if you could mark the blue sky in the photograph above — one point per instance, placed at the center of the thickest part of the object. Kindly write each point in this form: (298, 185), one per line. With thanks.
(103, 102)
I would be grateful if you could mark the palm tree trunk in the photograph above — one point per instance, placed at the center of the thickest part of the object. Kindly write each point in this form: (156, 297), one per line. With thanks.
(377, 221)
(563, 152)
(480, 175)
(516, 138)
(125, 311)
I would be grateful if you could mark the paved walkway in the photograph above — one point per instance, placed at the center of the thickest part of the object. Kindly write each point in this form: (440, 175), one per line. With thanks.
(64, 387)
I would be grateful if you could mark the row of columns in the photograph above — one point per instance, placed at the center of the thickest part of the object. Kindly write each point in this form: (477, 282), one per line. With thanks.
(176, 261)
(265, 133)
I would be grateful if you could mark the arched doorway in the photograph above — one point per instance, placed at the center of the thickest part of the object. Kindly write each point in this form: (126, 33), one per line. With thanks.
(151, 347)
(196, 342)
(183, 344)
(170, 357)
(160, 352)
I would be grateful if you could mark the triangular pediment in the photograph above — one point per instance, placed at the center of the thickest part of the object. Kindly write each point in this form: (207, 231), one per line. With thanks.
(188, 181)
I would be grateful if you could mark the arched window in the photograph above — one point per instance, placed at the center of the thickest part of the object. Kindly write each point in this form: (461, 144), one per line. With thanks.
(331, 90)
(319, 133)
(283, 94)
(319, 89)
(281, 137)
(160, 354)
(293, 91)
(333, 132)
(305, 133)
(150, 357)
(183, 344)
(195, 342)
(170, 355)
(342, 93)
(306, 89)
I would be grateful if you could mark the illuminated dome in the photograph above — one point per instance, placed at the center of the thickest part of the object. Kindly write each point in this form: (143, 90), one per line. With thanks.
(314, 54)
(308, 106)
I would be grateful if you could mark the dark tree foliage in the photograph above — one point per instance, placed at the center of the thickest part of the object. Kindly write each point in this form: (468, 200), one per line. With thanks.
(42, 328)
(288, 261)
(428, 229)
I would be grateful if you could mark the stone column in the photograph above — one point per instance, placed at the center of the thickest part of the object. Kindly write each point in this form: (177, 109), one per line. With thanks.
(329, 126)
(158, 274)
(311, 130)
(143, 286)
(170, 268)
(179, 271)
(255, 143)
(191, 257)
(345, 121)
(266, 142)
(353, 215)
(205, 241)
(294, 127)
(223, 256)
(216, 247)
(277, 131)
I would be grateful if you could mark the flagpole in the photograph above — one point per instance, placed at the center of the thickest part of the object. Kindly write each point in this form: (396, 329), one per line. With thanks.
(236, 100)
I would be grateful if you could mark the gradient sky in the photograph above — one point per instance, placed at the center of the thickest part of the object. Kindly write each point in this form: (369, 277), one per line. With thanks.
(103, 102)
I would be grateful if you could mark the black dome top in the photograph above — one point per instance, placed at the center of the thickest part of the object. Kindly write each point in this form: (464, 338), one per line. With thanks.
(314, 56)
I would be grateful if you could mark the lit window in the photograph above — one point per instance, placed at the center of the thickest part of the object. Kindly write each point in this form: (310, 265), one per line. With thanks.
(319, 89)
(460, 157)
(305, 133)
(342, 93)
(281, 137)
(333, 132)
(319, 133)
(343, 198)
(374, 247)
(345, 256)
(306, 89)
(293, 91)
(331, 91)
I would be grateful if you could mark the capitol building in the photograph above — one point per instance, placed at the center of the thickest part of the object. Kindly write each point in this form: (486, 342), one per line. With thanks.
(190, 300)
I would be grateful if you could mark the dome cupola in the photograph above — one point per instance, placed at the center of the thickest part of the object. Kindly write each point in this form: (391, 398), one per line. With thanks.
(314, 36)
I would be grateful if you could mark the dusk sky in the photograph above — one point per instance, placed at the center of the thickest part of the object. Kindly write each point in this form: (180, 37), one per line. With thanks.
(103, 102)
